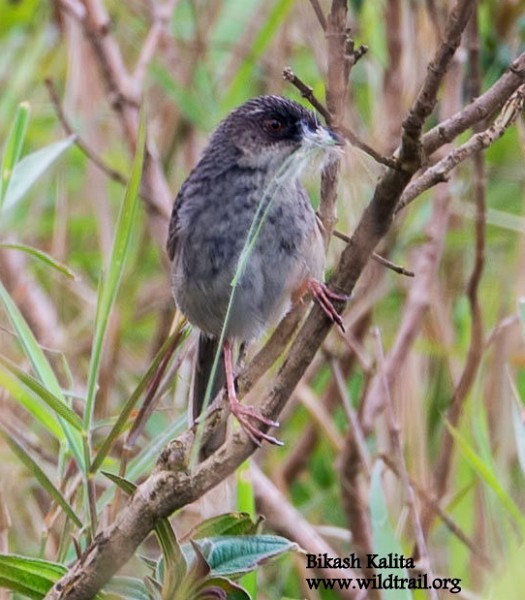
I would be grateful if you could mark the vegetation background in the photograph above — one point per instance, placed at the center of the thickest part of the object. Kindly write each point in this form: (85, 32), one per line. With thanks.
(86, 303)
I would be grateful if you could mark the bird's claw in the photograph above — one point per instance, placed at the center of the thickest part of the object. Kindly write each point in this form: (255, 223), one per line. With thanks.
(243, 413)
(324, 296)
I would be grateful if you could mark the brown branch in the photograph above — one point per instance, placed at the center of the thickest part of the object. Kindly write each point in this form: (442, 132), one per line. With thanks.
(478, 110)
(478, 142)
(339, 65)
(510, 112)
(427, 261)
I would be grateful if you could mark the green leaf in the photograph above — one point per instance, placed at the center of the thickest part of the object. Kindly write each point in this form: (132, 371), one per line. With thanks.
(232, 555)
(228, 524)
(32, 577)
(521, 307)
(31, 168)
(54, 402)
(13, 148)
(488, 477)
(129, 588)
(29, 576)
(31, 403)
(43, 370)
(519, 433)
(212, 585)
(173, 557)
(175, 338)
(42, 257)
(109, 285)
(383, 535)
(22, 453)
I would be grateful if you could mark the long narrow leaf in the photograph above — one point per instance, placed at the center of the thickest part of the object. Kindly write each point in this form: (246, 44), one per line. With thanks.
(126, 410)
(55, 403)
(109, 286)
(383, 535)
(42, 368)
(488, 477)
(23, 455)
(31, 403)
(163, 530)
(31, 168)
(13, 148)
(42, 257)
(32, 577)
(29, 576)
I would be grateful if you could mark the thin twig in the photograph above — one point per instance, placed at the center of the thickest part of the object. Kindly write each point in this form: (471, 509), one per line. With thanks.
(79, 142)
(308, 93)
(478, 142)
(479, 109)
(395, 441)
(319, 13)
(377, 257)
(161, 18)
(431, 502)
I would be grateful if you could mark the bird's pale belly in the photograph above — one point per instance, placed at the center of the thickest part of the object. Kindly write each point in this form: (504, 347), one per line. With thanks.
(276, 267)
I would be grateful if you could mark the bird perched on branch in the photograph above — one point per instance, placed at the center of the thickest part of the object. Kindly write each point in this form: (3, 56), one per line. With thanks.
(245, 242)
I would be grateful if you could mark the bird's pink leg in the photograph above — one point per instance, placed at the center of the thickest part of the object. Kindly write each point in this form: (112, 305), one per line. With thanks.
(244, 413)
(323, 295)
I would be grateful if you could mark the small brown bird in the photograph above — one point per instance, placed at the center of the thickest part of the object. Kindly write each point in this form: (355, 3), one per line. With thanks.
(245, 241)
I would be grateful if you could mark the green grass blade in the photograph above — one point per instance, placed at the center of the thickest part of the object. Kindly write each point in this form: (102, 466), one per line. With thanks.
(42, 257)
(13, 148)
(488, 476)
(42, 368)
(521, 308)
(126, 410)
(33, 405)
(23, 455)
(29, 576)
(246, 504)
(238, 90)
(383, 535)
(166, 536)
(54, 402)
(109, 286)
(519, 428)
(31, 168)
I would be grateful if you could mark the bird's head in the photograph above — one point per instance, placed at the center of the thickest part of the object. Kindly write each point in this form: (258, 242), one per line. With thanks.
(269, 130)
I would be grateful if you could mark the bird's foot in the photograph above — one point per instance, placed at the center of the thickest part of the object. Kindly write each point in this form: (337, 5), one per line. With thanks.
(324, 296)
(245, 414)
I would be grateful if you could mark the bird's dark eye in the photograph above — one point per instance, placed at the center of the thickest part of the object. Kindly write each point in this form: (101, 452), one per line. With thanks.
(274, 125)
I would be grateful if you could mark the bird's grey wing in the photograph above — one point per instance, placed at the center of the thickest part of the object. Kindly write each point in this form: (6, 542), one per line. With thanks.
(174, 227)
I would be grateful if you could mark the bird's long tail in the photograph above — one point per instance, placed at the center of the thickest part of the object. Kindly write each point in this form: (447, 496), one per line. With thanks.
(206, 351)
